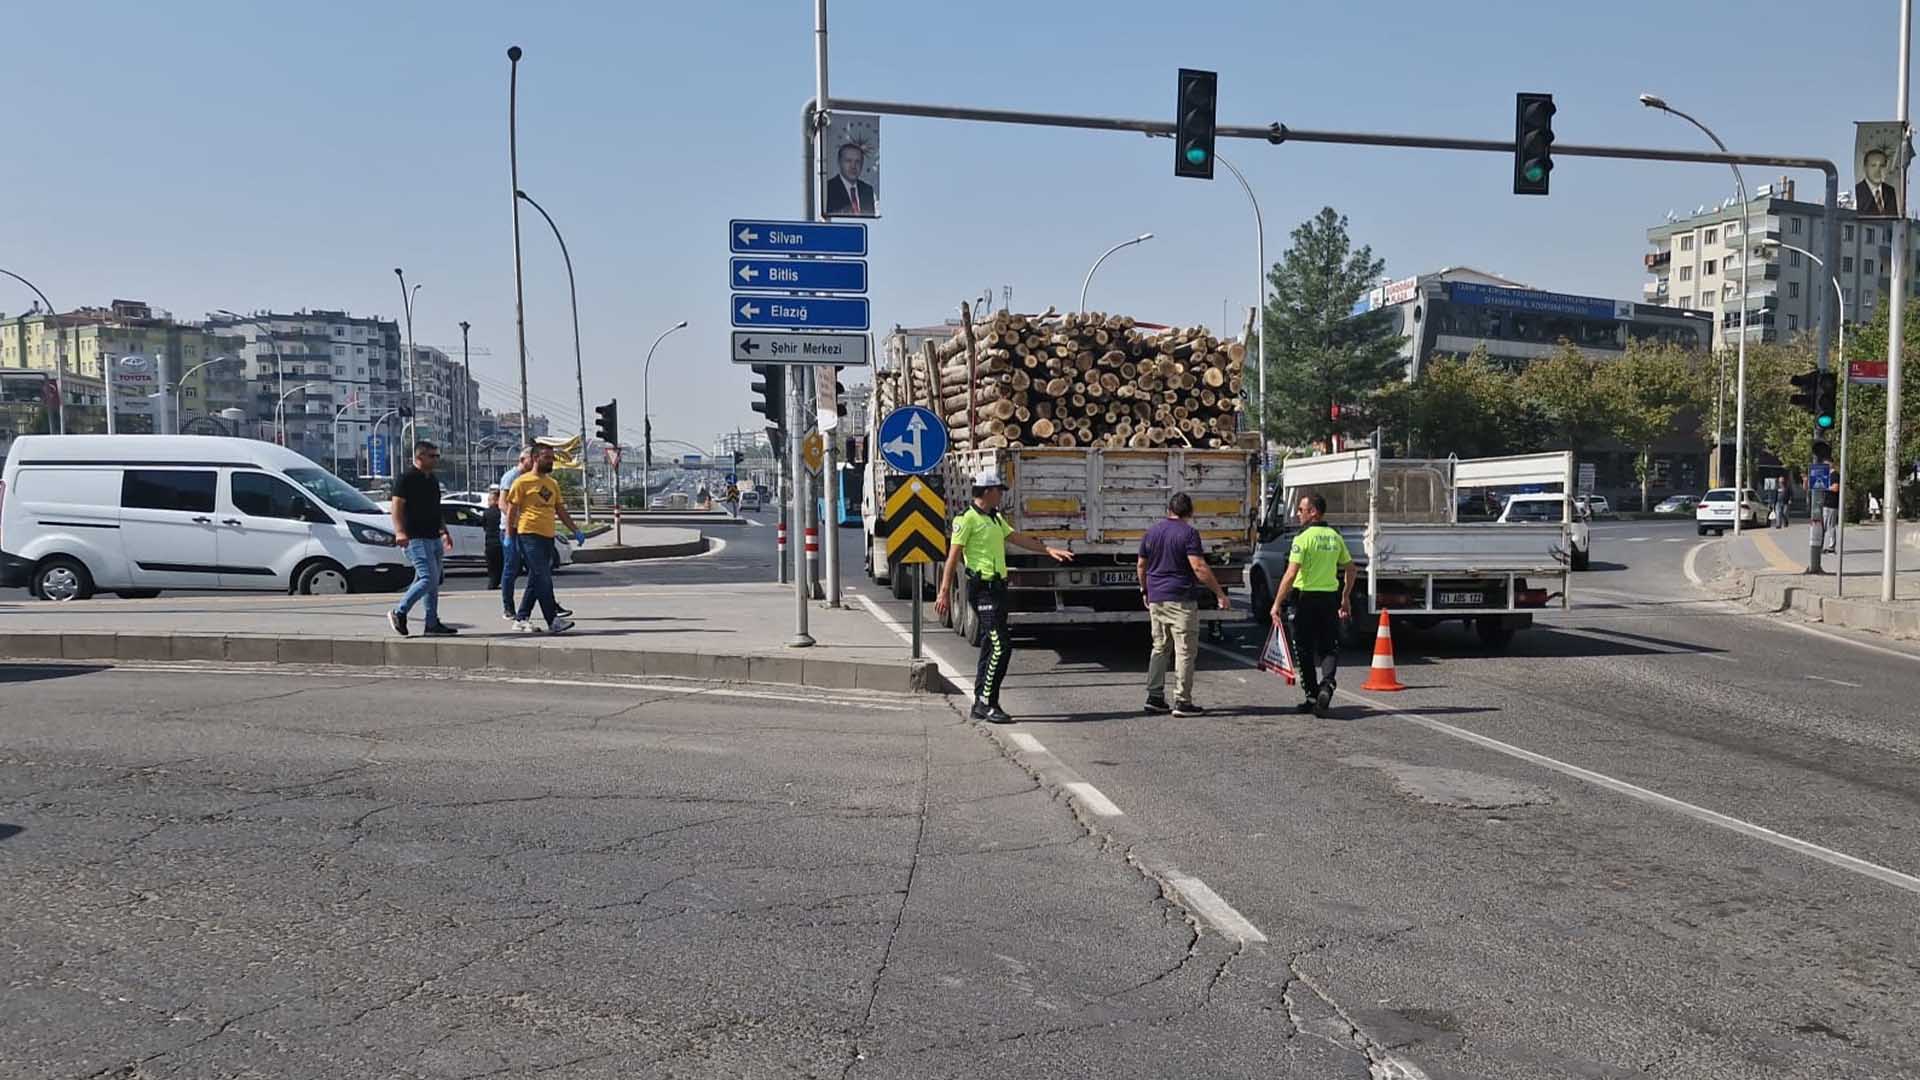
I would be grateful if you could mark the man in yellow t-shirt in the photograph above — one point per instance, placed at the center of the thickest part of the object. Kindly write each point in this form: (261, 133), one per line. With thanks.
(1317, 564)
(532, 504)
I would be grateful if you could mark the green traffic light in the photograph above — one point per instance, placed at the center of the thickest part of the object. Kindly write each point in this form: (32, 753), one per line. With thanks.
(1197, 155)
(1534, 173)
(1825, 421)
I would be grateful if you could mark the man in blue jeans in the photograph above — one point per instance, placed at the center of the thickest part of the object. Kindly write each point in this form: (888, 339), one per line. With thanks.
(419, 528)
(533, 504)
(510, 569)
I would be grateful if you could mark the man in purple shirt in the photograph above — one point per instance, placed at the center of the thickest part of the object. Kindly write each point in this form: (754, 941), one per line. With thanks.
(1171, 567)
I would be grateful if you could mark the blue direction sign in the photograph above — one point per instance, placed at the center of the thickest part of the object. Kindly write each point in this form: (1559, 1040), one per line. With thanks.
(796, 238)
(912, 439)
(811, 275)
(800, 312)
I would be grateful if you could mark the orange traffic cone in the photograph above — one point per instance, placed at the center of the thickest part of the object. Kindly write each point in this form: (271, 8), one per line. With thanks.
(1382, 677)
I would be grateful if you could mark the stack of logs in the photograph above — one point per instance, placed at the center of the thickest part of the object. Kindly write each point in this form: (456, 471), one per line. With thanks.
(1075, 380)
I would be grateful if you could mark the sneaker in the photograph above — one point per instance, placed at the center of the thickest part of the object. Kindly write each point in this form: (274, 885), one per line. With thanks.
(439, 629)
(509, 616)
(998, 715)
(1304, 707)
(398, 621)
(979, 711)
(1323, 701)
(522, 626)
(560, 625)
(1188, 709)
(1158, 705)
(565, 613)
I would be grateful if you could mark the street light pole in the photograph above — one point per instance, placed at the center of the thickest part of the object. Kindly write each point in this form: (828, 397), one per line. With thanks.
(519, 288)
(1653, 101)
(1896, 318)
(59, 425)
(280, 407)
(279, 369)
(1259, 323)
(646, 418)
(179, 389)
(579, 373)
(1846, 377)
(466, 406)
(410, 417)
(1103, 258)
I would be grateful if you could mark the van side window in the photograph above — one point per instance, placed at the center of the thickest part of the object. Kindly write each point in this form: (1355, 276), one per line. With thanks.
(263, 496)
(168, 489)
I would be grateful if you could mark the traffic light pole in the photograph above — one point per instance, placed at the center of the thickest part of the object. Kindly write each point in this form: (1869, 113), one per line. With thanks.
(796, 512)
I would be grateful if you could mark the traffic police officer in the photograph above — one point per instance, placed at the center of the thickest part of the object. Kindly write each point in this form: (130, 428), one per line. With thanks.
(1322, 572)
(980, 537)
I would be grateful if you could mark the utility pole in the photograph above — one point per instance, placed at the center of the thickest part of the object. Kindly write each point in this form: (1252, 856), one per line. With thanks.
(513, 194)
(1896, 318)
(466, 406)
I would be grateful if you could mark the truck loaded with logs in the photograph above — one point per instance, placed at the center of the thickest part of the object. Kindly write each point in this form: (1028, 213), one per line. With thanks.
(1093, 420)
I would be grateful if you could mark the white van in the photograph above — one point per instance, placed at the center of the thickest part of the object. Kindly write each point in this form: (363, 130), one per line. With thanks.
(135, 514)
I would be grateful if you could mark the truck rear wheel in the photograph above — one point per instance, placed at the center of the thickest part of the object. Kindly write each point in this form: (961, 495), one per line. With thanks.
(1494, 631)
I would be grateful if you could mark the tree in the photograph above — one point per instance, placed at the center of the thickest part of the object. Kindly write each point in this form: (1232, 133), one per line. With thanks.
(1644, 391)
(1459, 405)
(1324, 358)
(1563, 390)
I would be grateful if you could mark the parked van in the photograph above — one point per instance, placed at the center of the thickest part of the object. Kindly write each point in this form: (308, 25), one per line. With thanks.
(135, 514)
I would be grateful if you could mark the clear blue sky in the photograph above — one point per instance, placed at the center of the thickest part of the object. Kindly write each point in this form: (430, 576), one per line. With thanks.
(246, 155)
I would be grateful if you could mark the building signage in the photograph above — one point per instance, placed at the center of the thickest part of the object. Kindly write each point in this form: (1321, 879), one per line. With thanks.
(1872, 372)
(1532, 300)
(1399, 292)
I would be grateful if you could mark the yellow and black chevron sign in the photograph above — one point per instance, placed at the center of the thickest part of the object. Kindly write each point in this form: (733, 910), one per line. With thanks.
(915, 520)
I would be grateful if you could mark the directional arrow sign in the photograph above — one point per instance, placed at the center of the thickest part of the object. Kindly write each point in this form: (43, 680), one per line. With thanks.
(781, 347)
(796, 238)
(912, 439)
(815, 275)
(800, 312)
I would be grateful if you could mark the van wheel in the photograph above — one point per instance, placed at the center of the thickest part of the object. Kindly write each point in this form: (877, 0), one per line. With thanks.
(900, 581)
(61, 578)
(136, 594)
(1262, 599)
(322, 578)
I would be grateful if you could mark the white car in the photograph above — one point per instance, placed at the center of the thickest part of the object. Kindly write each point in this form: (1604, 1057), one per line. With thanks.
(750, 499)
(1594, 505)
(135, 514)
(462, 516)
(1715, 512)
(1553, 507)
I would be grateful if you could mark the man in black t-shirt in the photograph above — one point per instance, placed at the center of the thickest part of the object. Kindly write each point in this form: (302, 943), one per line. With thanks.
(419, 528)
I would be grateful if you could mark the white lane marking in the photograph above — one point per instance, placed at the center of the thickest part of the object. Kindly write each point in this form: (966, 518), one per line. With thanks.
(1836, 682)
(1634, 791)
(187, 668)
(1699, 813)
(1092, 798)
(1026, 742)
(1674, 540)
(1687, 566)
(952, 675)
(1197, 895)
(1638, 539)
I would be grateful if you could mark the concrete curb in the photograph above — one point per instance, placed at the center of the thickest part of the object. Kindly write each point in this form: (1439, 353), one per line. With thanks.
(1773, 594)
(630, 552)
(551, 656)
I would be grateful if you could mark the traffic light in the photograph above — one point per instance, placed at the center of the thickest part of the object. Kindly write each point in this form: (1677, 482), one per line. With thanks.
(608, 423)
(777, 442)
(1817, 392)
(1532, 143)
(771, 386)
(839, 393)
(1193, 124)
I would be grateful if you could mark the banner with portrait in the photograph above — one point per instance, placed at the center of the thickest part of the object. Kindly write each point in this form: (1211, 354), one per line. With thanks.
(850, 166)
(1880, 155)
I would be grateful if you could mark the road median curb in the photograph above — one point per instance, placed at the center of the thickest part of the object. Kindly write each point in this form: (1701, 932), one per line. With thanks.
(1774, 594)
(630, 552)
(543, 655)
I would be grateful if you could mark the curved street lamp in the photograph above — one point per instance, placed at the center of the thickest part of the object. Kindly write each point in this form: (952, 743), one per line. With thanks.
(273, 350)
(407, 379)
(180, 388)
(579, 375)
(646, 387)
(1655, 101)
(1142, 238)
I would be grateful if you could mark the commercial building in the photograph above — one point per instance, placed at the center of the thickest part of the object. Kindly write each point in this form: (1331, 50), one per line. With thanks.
(1697, 259)
(1453, 311)
(140, 346)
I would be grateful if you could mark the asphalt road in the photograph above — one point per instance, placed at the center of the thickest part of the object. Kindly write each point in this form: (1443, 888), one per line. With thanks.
(331, 874)
(1659, 837)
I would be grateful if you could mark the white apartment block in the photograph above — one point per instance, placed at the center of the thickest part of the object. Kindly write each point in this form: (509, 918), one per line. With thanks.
(340, 375)
(1697, 259)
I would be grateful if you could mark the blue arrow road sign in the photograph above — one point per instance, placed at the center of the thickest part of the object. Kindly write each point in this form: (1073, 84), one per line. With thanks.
(800, 312)
(796, 238)
(812, 275)
(912, 439)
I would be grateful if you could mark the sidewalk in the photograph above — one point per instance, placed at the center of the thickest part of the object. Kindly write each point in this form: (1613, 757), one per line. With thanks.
(725, 632)
(1766, 569)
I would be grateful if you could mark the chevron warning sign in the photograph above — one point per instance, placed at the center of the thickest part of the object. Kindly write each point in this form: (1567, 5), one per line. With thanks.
(915, 520)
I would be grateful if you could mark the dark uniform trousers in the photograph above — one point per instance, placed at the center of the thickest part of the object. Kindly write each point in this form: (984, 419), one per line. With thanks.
(1316, 637)
(988, 597)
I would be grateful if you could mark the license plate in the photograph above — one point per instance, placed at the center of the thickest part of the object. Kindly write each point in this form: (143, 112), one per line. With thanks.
(1462, 599)
(1117, 577)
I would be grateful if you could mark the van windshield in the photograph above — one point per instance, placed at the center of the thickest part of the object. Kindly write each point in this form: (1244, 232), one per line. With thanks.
(333, 491)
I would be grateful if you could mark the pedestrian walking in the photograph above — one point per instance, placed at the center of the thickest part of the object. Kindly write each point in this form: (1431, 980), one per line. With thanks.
(419, 528)
(510, 552)
(1823, 502)
(494, 530)
(1322, 572)
(980, 539)
(533, 502)
(1172, 568)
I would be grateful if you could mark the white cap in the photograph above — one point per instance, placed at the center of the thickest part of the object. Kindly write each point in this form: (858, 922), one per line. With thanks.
(988, 478)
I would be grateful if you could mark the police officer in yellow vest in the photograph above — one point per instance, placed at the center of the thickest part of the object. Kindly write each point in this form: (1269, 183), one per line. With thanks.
(1320, 578)
(980, 538)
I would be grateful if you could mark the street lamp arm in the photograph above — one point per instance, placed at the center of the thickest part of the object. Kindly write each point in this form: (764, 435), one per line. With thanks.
(1143, 237)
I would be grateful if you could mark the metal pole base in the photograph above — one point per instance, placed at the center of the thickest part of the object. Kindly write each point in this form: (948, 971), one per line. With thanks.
(800, 641)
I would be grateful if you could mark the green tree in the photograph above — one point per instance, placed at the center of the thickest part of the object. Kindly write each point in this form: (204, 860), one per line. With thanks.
(1320, 355)
(1459, 405)
(1644, 391)
(1563, 393)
